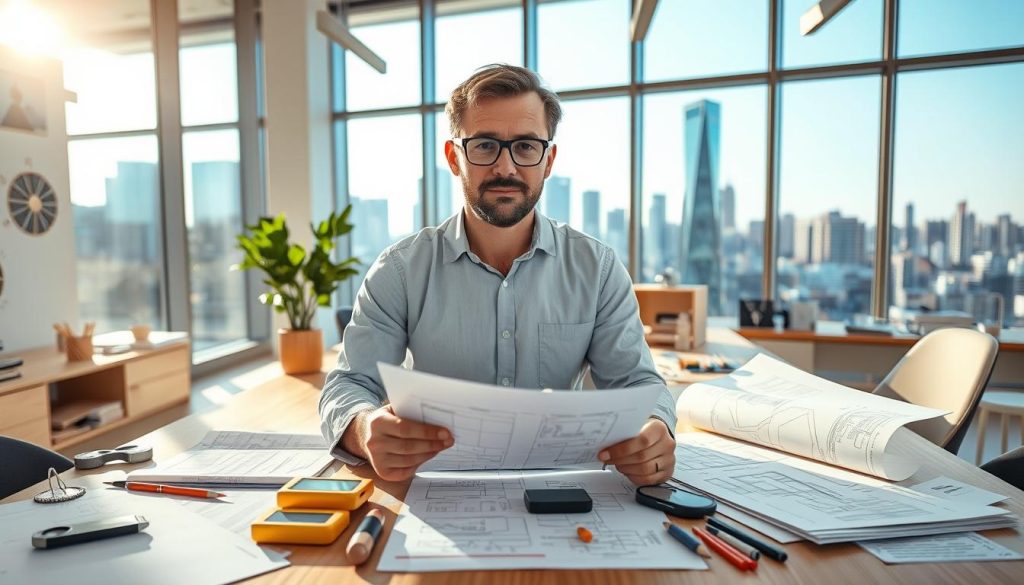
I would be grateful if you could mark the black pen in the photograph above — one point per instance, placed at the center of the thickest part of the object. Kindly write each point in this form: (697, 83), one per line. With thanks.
(765, 548)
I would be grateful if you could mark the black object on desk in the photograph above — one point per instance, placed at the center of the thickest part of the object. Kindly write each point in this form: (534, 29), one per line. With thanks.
(59, 536)
(674, 501)
(557, 501)
(765, 548)
(7, 363)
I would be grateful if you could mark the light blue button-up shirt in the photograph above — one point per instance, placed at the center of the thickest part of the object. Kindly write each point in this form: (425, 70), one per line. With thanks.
(566, 304)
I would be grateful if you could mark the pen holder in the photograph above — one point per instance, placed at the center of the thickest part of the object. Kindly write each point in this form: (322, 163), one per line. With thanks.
(79, 349)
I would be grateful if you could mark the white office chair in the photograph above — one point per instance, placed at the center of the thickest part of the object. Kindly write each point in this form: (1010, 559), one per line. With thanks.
(946, 369)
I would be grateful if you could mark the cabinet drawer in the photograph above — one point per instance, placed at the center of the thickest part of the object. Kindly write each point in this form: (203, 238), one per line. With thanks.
(157, 366)
(25, 415)
(154, 394)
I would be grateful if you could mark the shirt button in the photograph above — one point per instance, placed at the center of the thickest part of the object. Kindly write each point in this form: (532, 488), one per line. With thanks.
(505, 382)
(506, 334)
(504, 283)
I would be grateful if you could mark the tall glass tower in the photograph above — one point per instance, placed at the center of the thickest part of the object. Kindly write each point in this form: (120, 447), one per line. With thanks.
(700, 243)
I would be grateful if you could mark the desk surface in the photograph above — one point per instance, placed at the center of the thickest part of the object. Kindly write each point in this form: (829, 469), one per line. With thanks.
(835, 332)
(289, 404)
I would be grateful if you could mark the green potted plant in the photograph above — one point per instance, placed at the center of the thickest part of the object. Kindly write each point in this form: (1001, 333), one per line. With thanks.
(299, 281)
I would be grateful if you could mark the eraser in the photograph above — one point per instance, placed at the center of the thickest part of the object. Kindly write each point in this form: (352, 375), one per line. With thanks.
(557, 501)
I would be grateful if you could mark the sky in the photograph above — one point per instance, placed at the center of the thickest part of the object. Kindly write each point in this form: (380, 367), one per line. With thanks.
(959, 133)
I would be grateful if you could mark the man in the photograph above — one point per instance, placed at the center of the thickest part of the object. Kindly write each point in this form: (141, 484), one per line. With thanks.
(496, 294)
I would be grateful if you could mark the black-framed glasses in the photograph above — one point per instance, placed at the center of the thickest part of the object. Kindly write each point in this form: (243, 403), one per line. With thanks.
(525, 152)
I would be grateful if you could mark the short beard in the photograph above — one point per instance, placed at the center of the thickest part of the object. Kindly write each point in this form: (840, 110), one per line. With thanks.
(490, 211)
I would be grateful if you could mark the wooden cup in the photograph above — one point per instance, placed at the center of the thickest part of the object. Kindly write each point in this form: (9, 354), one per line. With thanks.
(79, 348)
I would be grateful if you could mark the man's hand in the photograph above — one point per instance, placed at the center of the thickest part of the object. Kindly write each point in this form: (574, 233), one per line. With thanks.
(648, 458)
(394, 446)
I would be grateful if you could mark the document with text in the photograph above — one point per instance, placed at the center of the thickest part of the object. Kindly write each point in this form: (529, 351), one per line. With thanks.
(776, 405)
(508, 428)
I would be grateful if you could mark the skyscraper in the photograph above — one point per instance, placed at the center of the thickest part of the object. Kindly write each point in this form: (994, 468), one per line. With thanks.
(728, 195)
(787, 235)
(837, 239)
(132, 216)
(909, 233)
(700, 250)
(936, 234)
(592, 213)
(618, 234)
(1006, 235)
(961, 236)
(556, 191)
(656, 251)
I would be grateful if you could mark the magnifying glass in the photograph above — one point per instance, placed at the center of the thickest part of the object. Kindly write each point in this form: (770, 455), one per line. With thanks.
(675, 501)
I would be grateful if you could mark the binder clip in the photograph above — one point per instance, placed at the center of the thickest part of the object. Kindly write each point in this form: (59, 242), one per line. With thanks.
(59, 492)
(126, 453)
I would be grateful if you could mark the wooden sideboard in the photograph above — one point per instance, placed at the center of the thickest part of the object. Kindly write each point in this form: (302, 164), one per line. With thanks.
(143, 381)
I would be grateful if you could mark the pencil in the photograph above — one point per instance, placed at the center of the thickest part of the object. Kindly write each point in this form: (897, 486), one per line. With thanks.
(727, 552)
(736, 543)
(687, 540)
(165, 489)
(765, 548)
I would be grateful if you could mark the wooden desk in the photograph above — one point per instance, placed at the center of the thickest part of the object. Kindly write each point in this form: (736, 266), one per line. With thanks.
(290, 404)
(864, 360)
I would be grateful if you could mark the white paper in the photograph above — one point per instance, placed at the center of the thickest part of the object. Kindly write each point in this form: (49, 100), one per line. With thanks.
(820, 503)
(177, 547)
(502, 428)
(771, 403)
(455, 521)
(241, 458)
(958, 491)
(237, 511)
(944, 548)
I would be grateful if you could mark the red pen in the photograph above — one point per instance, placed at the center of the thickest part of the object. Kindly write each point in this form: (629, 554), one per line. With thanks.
(165, 489)
(738, 559)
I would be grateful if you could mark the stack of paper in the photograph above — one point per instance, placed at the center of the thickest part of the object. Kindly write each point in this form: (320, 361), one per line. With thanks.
(242, 459)
(778, 406)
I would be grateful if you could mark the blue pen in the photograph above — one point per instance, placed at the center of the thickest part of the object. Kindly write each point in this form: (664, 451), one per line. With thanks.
(688, 541)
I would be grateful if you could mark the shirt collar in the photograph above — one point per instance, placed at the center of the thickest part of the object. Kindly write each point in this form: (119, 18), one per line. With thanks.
(457, 244)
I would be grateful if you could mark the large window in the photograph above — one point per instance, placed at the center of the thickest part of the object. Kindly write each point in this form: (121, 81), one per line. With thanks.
(958, 201)
(133, 258)
(115, 182)
(827, 191)
(212, 185)
(703, 193)
(727, 155)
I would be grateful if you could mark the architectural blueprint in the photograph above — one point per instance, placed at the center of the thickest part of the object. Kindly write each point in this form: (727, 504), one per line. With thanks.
(776, 405)
(502, 428)
(478, 520)
(820, 503)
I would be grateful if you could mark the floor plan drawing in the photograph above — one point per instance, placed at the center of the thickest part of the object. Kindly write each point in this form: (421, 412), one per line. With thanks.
(773, 404)
(462, 520)
(504, 428)
(570, 440)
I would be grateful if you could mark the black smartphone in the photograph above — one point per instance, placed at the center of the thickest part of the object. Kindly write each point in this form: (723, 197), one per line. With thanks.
(675, 501)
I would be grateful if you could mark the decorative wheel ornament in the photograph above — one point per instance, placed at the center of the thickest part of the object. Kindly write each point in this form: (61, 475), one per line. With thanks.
(32, 203)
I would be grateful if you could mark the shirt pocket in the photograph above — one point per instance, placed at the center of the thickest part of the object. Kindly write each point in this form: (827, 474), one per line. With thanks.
(563, 346)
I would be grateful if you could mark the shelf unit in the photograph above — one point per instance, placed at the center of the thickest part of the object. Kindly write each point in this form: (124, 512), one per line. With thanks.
(143, 381)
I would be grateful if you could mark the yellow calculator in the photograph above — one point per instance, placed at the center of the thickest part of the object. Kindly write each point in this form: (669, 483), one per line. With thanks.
(299, 526)
(324, 493)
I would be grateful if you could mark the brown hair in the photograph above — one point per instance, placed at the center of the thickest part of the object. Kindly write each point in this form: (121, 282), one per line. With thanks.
(497, 81)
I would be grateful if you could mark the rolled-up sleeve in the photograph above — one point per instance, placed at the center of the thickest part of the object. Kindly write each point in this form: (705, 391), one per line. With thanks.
(376, 333)
(618, 354)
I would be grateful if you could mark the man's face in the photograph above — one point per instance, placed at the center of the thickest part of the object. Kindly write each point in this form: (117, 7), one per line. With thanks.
(502, 194)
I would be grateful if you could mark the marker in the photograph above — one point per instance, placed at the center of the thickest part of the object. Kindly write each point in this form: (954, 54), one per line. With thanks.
(736, 543)
(765, 548)
(687, 540)
(173, 490)
(361, 544)
(584, 534)
(725, 551)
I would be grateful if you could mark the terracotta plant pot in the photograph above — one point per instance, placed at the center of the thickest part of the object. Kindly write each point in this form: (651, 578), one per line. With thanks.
(301, 351)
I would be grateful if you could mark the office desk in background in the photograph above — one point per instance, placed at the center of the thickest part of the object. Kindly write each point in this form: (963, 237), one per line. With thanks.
(289, 404)
(862, 360)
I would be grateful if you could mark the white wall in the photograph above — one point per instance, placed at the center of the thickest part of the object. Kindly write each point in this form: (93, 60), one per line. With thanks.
(38, 270)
